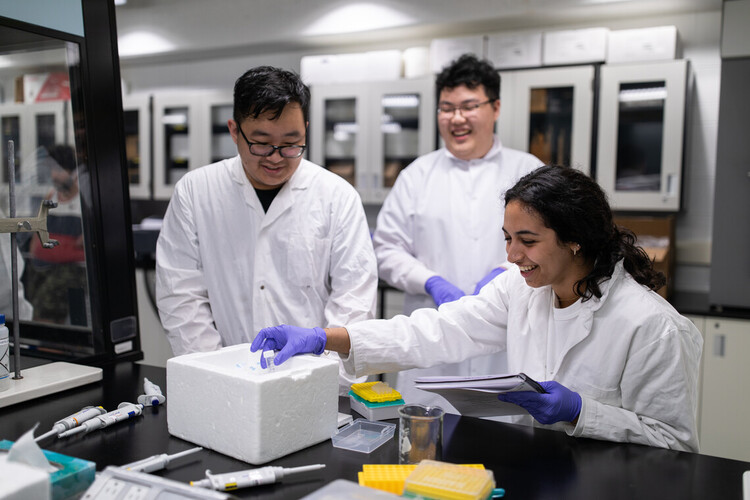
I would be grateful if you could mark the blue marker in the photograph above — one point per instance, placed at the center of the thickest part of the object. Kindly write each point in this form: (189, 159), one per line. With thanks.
(123, 412)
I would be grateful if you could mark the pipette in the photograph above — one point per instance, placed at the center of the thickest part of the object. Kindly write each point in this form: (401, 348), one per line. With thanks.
(152, 394)
(157, 462)
(251, 477)
(123, 412)
(73, 420)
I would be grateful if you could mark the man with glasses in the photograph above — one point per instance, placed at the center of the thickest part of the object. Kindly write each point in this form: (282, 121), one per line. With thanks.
(266, 237)
(438, 236)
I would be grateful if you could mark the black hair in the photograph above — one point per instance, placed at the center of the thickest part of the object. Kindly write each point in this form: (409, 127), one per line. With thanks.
(574, 206)
(64, 155)
(472, 72)
(267, 89)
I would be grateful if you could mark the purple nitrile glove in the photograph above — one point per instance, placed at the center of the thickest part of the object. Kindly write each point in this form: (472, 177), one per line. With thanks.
(442, 291)
(559, 404)
(291, 340)
(490, 276)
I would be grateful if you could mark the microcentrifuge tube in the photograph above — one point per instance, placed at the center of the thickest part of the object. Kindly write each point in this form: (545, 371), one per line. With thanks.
(270, 355)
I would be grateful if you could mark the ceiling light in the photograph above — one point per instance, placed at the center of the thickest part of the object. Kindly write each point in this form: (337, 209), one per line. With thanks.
(358, 17)
(142, 42)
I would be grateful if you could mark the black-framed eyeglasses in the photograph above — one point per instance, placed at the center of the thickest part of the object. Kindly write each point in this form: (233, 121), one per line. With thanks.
(258, 149)
(465, 109)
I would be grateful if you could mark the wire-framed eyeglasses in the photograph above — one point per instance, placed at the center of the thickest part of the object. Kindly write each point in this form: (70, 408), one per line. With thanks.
(259, 149)
(465, 109)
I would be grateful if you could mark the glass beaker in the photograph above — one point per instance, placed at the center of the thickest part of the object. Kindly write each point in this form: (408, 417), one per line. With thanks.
(420, 434)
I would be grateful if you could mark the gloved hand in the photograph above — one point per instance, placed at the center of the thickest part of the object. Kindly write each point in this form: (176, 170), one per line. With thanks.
(291, 340)
(442, 290)
(490, 276)
(559, 404)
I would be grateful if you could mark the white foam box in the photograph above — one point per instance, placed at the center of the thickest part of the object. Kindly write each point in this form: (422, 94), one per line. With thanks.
(444, 51)
(575, 46)
(507, 51)
(643, 44)
(224, 400)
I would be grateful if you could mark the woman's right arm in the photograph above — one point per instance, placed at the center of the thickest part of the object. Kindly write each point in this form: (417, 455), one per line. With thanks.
(338, 340)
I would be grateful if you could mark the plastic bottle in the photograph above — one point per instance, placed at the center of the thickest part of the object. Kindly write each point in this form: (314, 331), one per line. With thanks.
(4, 356)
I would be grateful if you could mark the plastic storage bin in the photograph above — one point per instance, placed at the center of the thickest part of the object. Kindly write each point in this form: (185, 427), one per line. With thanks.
(363, 435)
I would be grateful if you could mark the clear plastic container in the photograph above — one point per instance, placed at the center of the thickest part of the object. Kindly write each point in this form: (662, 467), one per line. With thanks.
(363, 435)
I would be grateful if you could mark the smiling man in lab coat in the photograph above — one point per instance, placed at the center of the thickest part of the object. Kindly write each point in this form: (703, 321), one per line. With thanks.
(266, 237)
(438, 236)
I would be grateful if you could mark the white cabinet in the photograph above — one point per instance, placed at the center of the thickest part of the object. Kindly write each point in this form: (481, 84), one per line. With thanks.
(189, 130)
(548, 112)
(640, 140)
(725, 404)
(137, 124)
(369, 132)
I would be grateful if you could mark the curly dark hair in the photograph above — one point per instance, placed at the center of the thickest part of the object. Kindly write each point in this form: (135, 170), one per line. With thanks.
(472, 72)
(574, 206)
(268, 89)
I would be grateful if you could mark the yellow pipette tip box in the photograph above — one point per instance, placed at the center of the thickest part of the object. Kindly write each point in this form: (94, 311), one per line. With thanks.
(391, 477)
(445, 481)
(375, 392)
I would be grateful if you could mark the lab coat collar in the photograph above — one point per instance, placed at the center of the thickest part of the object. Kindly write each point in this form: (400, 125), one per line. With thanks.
(284, 200)
(299, 181)
(494, 151)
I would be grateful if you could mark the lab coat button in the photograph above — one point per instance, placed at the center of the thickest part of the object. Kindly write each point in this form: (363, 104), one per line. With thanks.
(262, 287)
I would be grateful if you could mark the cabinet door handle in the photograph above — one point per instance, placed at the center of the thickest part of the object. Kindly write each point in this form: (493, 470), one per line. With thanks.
(719, 341)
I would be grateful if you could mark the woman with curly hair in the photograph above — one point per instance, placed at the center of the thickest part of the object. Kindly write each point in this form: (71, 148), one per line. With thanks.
(578, 311)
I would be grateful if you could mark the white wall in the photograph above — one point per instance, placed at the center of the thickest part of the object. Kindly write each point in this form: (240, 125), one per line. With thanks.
(700, 37)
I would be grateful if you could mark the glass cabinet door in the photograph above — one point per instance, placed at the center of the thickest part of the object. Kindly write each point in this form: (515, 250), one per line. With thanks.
(407, 130)
(222, 145)
(136, 118)
(337, 142)
(399, 129)
(177, 148)
(548, 113)
(641, 124)
(367, 133)
(216, 110)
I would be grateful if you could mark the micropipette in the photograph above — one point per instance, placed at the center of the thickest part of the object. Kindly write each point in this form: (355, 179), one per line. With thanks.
(157, 462)
(251, 477)
(123, 412)
(152, 396)
(73, 420)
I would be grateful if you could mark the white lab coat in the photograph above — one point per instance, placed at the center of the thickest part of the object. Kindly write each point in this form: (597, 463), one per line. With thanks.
(226, 269)
(634, 362)
(444, 216)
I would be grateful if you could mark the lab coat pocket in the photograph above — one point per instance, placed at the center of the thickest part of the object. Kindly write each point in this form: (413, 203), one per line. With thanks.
(303, 261)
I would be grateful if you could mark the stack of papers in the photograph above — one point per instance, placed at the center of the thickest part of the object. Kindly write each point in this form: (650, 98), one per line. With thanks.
(477, 396)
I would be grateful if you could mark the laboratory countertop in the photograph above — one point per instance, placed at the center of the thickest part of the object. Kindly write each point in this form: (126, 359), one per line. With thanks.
(698, 304)
(528, 463)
